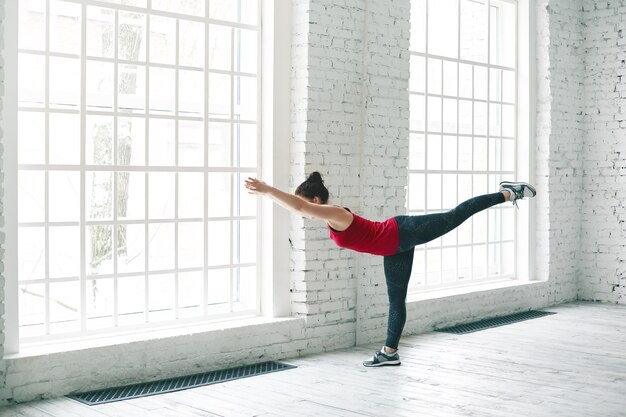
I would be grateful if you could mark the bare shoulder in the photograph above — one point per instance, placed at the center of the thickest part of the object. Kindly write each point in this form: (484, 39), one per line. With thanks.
(336, 217)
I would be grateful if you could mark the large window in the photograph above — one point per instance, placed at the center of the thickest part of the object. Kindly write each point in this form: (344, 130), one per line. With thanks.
(463, 105)
(137, 123)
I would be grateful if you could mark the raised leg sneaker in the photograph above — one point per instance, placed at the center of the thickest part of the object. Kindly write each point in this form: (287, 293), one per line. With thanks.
(382, 359)
(518, 190)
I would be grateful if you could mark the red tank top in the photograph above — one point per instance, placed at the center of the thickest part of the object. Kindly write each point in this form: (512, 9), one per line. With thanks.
(376, 238)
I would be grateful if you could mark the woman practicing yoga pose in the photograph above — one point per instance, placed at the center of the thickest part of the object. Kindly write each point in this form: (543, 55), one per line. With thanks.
(394, 238)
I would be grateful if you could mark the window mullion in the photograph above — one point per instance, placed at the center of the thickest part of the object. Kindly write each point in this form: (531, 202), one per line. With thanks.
(176, 176)
(147, 176)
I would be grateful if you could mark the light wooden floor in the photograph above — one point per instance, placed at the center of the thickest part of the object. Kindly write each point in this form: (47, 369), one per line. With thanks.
(569, 364)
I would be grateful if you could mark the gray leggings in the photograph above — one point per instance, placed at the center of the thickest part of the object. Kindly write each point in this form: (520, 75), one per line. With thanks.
(417, 230)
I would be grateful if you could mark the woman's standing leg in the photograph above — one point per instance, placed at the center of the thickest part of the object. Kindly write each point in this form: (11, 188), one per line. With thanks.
(397, 274)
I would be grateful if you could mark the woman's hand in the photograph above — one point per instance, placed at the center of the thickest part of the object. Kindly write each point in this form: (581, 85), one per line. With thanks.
(256, 186)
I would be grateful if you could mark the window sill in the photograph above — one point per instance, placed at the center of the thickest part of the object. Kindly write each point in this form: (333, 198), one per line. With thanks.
(441, 293)
(99, 341)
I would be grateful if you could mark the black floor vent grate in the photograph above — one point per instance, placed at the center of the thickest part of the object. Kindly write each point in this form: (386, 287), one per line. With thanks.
(177, 384)
(494, 322)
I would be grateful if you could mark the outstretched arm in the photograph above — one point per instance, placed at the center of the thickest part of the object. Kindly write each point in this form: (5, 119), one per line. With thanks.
(330, 214)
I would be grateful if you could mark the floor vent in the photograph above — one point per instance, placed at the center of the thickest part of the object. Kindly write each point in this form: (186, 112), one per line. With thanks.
(494, 322)
(177, 384)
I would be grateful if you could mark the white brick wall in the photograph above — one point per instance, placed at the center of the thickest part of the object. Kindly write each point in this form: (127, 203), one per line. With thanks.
(559, 138)
(350, 121)
(603, 259)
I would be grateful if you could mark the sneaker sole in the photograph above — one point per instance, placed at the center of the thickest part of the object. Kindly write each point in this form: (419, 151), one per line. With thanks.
(386, 363)
(530, 187)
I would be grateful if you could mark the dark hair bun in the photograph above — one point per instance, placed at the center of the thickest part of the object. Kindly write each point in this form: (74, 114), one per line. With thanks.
(315, 177)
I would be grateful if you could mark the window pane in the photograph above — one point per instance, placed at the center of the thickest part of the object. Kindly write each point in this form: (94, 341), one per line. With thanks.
(220, 47)
(161, 195)
(191, 43)
(65, 82)
(495, 84)
(32, 309)
(434, 191)
(434, 76)
(433, 161)
(31, 128)
(449, 152)
(131, 36)
(99, 140)
(100, 82)
(162, 40)
(31, 188)
(32, 24)
(131, 88)
(245, 245)
(100, 299)
(418, 26)
(100, 32)
(190, 143)
(99, 250)
(131, 300)
(64, 138)
(65, 27)
(508, 120)
(131, 195)
(245, 98)
(131, 256)
(480, 83)
(465, 117)
(249, 11)
(161, 297)
(64, 249)
(162, 146)
(219, 286)
(417, 79)
(219, 189)
(219, 144)
(474, 30)
(190, 245)
(31, 256)
(190, 195)
(480, 118)
(508, 89)
(443, 38)
(223, 10)
(190, 103)
(219, 95)
(449, 78)
(503, 27)
(465, 153)
(495, 119)
(161, 246)
(162, 86)
(416, 192)
(246, 45)
(246, 137)
(190, 291)
(465, 80)
(417, 151)
(31, 80)
(480, 154)
(449, 191)
(99, 195)
(63, 196)
(192, 7)
(131, 141)
(64, 307)
(219, 243)
(449, 115)
(245, 289)
(434, 114)
(417, 109)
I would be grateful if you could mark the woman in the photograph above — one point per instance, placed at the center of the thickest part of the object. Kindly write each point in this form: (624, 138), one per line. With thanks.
(394, 238)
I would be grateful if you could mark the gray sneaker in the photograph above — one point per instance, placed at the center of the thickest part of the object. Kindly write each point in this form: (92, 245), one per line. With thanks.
(518, 190)
(382, 359)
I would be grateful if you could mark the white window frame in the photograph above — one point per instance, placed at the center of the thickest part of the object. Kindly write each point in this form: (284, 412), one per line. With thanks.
(524, 162)
(273, 128)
